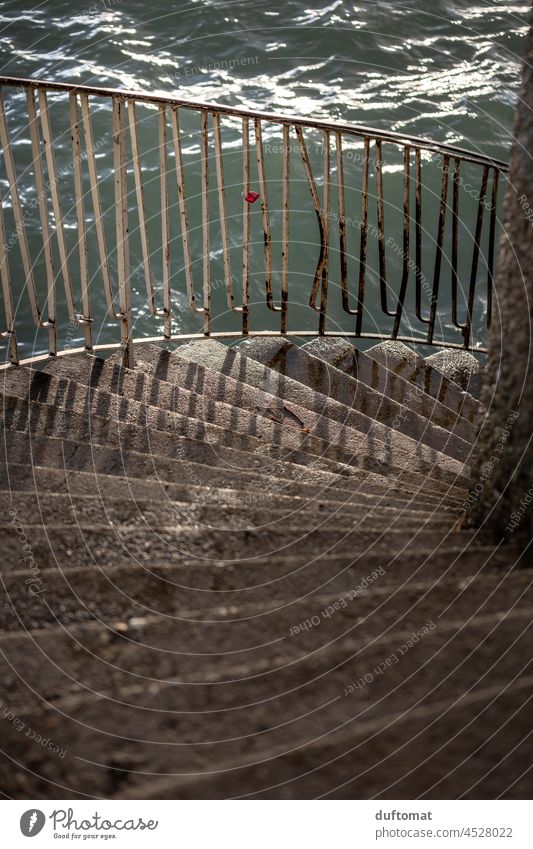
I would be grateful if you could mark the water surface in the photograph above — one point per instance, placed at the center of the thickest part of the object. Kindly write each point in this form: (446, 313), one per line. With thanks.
(449, 71)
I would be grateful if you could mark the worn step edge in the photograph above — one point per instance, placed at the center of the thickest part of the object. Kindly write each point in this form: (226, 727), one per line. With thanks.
(56, 452)
(399, 451)
(301, 365)
(45, 479)
(97, 430)
(245, 378)
(353, 361)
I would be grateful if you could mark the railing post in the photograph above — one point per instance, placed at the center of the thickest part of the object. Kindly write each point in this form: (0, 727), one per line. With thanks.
(121, 213)
(245, 225)
(285, 230)
(10, 331)
(363, 242)
(43, 218)
(80, 221)
(206, 260)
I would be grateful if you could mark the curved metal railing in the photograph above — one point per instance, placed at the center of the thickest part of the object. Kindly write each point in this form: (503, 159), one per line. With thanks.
(409, 271)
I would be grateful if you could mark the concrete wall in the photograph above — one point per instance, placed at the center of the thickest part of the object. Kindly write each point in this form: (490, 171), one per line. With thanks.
(502, 490)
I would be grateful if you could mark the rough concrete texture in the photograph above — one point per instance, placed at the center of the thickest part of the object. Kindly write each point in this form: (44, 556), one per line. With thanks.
(461, 367)
(203, 558)
(502, 492)
(405, 362)
(294, 362)
(181, 384)
(266, 388)
(349, 359)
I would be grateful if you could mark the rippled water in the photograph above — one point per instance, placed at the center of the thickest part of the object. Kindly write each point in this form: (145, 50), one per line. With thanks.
(449, 72)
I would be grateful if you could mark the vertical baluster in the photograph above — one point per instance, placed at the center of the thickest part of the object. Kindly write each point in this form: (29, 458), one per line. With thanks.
(165, 236)
(438, 250)
(121, 213)
(206, 264)
(182, 200)
(221, 190)
(95, 195)
(364, 237)
(326, 217)
(141, 208)
(475, 256)
(285, 230)
(10, 331)
(455, 238)
(381, 228)
(405, 241)
(56, 204)
(267, 237)
(17, 215)
(418, 234)
(319, 214)
(492, 242)
(80, 221)
(43, 217)
(342, 224)
(245, 224)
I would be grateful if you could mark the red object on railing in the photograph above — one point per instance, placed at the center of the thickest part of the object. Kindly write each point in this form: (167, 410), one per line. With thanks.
(251, 197)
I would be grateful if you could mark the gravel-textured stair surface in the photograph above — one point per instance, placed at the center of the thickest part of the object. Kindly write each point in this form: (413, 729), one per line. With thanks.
(241, 572)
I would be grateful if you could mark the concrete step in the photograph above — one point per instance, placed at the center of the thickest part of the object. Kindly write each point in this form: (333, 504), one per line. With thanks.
(402, 360)
(44, 420)
(298, 364)
(101, 545)
(44, 481)
(459, 366)
(457, 746)
(47, 420)
(95, 411)
(230, 362)
(356, 363)
(220, 641)
(42, 595)
(207, 727)
(208, 366)
(95, 509)
(350, 447)
(55, 452)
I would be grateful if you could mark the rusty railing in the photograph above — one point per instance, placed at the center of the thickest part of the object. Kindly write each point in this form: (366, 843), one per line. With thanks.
(409, 270)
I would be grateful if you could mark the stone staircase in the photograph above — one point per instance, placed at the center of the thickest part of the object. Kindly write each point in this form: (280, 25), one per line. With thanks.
(240, 572)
